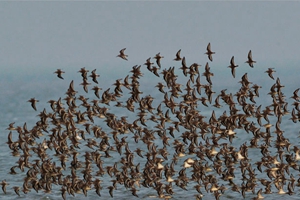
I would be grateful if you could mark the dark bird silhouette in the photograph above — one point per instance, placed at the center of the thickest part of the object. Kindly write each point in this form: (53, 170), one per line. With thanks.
(122, 54)
(208, 74)
(178, 58)
(33, 102)
(232, 66)
(209, 53)
(111, 189)
(84, 72)
(17, 189)
(94, 76)
(270, 72)
(59, 73)
(158, 57)
(4, 184)
(250, 61)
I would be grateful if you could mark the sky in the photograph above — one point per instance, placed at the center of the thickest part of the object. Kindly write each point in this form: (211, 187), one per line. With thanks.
(43, 35)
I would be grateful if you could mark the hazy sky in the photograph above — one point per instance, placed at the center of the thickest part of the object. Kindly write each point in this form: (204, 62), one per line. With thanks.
(76, 34)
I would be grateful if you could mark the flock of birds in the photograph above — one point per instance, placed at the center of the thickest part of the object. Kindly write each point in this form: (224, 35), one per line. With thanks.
(80, 145)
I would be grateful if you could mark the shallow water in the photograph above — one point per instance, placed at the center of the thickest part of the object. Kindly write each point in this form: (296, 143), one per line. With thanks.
(15, 108)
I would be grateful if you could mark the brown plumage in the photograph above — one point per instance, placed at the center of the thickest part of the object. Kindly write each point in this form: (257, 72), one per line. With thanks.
(33, 102)
(83, 72)
(4, 184)
(209, 52)
(17, 189)
(11, 126)
(148, 63)
(63, 192)
(94, 76)
(270, 72)
(250, 61)
(184, 68)
(122, 54)
(158, 57)
(208, 74)
(81, 138)
(96, 91)
(295, 95)
(59, 73)
(85, 85)
(111, 189)
(178, 58)
(232, 66)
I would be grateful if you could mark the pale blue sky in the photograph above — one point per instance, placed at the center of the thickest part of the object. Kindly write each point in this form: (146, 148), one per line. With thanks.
(76, 34)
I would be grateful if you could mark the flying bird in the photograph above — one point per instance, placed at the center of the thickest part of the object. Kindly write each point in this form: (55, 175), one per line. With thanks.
(148, 63)
(295, 96)
(11, 126)
(33, 101)
(96, 91)
(250, 61)
(59, 72)
(85, 85)
(94, 76)
(4, 184)
(208, 74)
(270, 72)
(232, 66)
(158, 57)
(178, 58)
(209, 52)
(17, 189)
(122, 54)
(111, 189)
(83, 72)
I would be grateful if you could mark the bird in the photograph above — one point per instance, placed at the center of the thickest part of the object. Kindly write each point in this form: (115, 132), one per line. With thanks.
(184, 68)
(63, 192)
(259, 195)
(17, 189)
(133, 191)
(250, 61)
(94, 76)
(270, 72)
(122, 54)
(4, 184)
(148, 63)
(59, 72)
(85, 84)
(208, 74)
(96, 91)
(167, 139)
(295, 95)
(158, 57)
(232, 66)
(178, 58)
(209, 52)
(12, 170)
(33, 102)
(11, 126)
(111, 189)
(84, 72)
